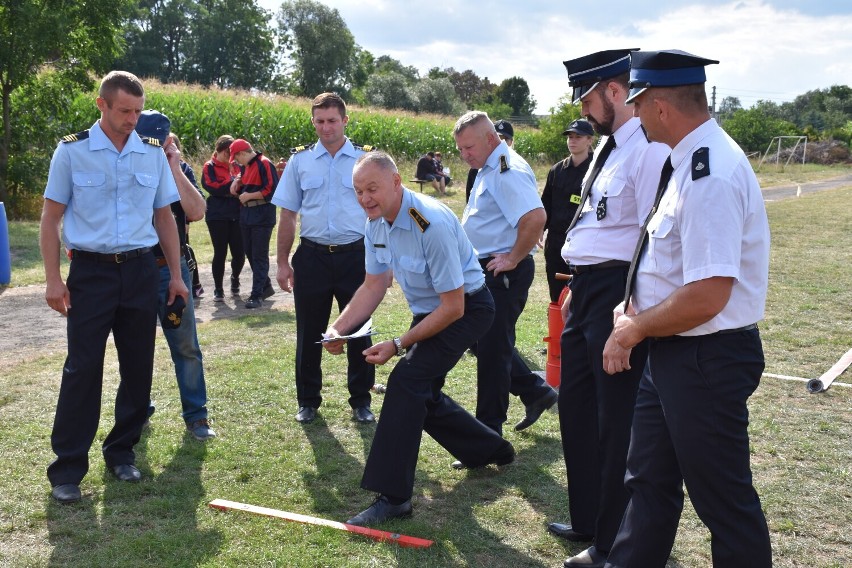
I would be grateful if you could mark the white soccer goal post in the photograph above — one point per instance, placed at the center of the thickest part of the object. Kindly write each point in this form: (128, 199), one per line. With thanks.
(776, 144)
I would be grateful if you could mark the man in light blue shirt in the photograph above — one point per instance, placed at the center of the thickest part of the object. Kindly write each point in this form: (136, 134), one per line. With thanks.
(105, 185)
(503, 218)
(328, 265)
(421, 242)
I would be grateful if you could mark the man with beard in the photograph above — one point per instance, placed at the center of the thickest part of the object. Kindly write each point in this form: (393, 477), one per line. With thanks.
(596, 409)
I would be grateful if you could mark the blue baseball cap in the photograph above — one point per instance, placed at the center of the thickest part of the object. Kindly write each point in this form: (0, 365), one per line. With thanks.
(668, 68)
(584, 73)
(580, 126)
(153, 124)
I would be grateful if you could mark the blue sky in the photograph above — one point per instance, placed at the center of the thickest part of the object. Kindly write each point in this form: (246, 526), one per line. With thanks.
(768, 49)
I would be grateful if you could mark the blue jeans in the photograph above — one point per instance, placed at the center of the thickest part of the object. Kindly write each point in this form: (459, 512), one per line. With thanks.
(186, 354)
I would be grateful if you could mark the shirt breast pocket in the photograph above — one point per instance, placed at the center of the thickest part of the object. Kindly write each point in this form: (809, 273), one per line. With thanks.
(146, 188)
(614, 194)
(661, 242)
(89, 188)
(308, 183)
(414, 271)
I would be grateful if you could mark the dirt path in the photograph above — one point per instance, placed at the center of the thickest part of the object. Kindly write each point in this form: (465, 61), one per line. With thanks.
(29, 328)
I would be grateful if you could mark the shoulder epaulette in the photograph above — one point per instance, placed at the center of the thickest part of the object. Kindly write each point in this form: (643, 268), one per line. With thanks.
(365, 147)
(302, 148)
(419, 219)
(504, 164)
(152, 141)
(76, 137)
(700, 163)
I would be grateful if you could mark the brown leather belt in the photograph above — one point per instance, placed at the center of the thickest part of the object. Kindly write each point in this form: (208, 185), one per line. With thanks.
(113, 257)
(255, 203)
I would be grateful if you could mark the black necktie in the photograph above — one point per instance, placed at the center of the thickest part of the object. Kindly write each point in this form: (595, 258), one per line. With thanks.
(665, 176)
(587, 188)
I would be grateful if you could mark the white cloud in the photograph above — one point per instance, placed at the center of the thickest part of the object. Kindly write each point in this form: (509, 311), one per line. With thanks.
(768, 49)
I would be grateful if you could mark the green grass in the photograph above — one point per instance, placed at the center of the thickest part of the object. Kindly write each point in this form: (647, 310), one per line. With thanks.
(801, 444)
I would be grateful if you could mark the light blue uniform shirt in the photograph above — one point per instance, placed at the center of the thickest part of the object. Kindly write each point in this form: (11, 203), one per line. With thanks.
(109, 196)
(427, 262)
(504, 191)
(321, 188)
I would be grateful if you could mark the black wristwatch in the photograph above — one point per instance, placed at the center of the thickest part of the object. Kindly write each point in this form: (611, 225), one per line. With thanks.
(400, 350)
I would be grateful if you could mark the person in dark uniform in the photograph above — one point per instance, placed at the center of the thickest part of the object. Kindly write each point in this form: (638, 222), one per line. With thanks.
(560, 198)
(701, 275)
(329, 262)
(180, 333)
(422, 242)
(104, 186)
(503, 220)
(223, 218)
(595, 409)
(255, 186)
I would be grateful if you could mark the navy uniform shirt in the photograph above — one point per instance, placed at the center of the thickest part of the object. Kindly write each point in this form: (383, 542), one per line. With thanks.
(427, 250)
(109, 195)
(320, 187)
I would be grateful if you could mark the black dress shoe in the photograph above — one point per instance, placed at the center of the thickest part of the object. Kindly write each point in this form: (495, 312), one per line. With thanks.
(363, 415)
(66, 493)
(127, 472)
(567, 532)
(589, 558)
(502, 457)
(535, 410)
(306, 414)
(381, 510)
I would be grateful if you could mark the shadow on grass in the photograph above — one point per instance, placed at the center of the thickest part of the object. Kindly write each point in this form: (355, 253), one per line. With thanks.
(159, 513)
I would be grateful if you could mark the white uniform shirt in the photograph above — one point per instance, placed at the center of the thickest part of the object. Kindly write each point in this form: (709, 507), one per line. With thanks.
(504, 191)
(713, 226)
(629, 180)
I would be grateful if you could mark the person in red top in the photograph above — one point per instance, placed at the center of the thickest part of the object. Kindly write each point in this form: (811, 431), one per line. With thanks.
(223, 217)
(255, 186)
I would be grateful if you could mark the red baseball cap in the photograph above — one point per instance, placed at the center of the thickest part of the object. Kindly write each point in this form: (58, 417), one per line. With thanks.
(239, 145)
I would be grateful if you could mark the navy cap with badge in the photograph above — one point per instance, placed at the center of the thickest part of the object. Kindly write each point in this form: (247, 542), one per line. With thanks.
(153, 124)
(668, 68)
(504, 128)
(580, 126)
(584, 73)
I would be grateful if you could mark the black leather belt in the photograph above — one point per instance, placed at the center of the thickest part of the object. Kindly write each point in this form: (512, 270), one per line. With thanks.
(720, 332)
(476, 291)
(579, 269)
(356, 245)
(115, 257)
(255, 202)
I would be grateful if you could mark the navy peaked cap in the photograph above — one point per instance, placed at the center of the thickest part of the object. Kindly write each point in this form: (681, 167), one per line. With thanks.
(153, 124)
(668, 68)
(584, 73)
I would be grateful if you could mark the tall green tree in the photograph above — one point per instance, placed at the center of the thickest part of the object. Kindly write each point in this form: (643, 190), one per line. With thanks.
(515, 92)
(319, 44)
(76, 38)
(231, 45)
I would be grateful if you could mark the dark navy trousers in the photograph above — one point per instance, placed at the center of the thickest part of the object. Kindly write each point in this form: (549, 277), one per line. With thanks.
(596, 409)
(691, 426)
(414, 403)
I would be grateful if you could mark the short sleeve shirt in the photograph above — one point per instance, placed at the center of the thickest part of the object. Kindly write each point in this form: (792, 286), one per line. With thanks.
(628, 181)
(504, 191)
(320, 187)
(109, 196)
(427, 250)
(714, 225)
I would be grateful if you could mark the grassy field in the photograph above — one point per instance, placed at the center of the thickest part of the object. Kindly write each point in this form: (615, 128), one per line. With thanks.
(801, 443)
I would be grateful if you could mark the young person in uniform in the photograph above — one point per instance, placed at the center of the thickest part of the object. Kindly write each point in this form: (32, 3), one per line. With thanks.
(328, 265)
(421, 241)
(701, 275)
(103, 189)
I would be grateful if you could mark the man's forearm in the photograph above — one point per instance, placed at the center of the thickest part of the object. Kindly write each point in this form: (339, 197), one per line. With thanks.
(286, 234)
